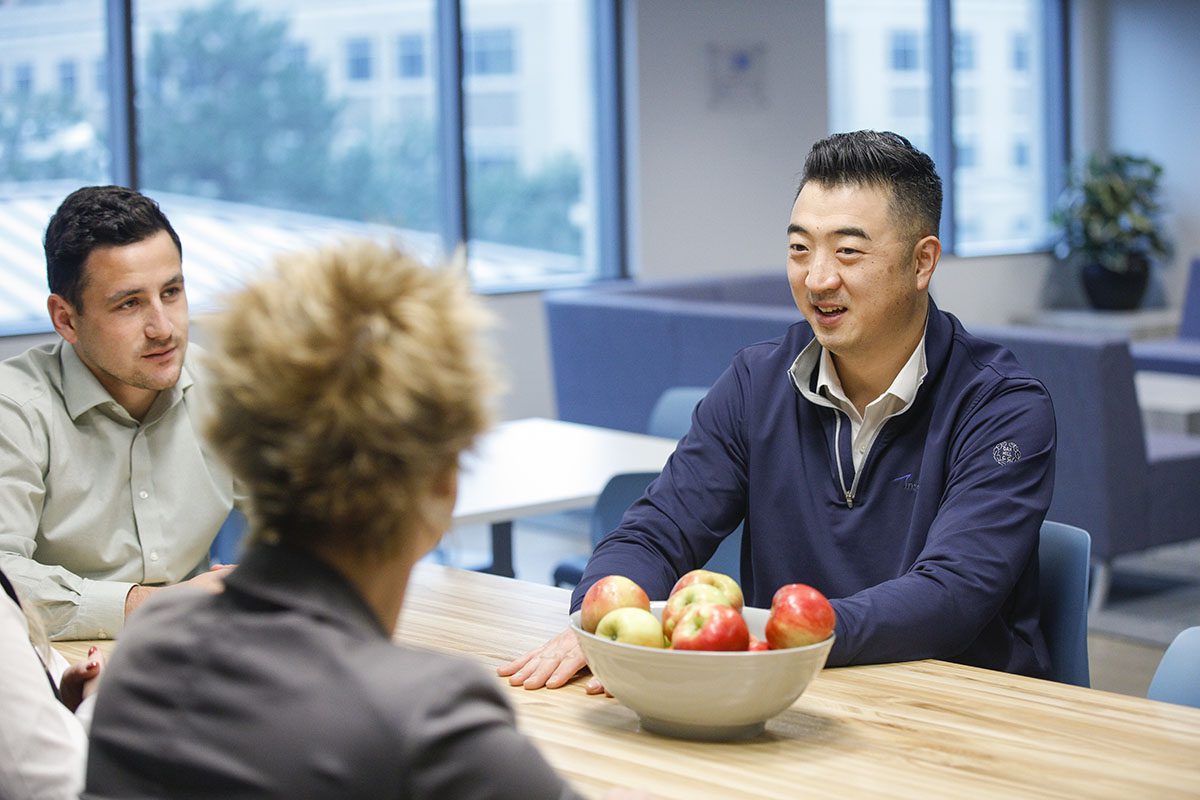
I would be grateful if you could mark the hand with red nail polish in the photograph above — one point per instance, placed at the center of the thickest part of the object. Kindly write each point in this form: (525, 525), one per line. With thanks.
(81, 679)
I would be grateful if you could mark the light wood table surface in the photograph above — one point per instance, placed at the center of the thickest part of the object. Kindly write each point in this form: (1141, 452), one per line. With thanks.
(925, 729)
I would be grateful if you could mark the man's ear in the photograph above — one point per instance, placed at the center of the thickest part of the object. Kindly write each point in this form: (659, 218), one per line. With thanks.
(926, 254)
(62, 317)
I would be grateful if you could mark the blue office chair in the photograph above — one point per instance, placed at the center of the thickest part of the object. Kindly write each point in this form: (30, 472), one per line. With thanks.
(227, 546)
(1064, 555)
(621, 491)
(671, 417)
(1177, 679)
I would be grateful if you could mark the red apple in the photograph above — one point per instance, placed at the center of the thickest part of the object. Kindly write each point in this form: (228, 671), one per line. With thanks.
(757, 644)
(723, 582)
(606, 594)
(678, 603)
(800, 615)
(631, 625)
(709, 626)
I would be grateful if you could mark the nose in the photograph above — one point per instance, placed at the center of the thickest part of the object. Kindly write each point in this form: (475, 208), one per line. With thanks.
(158, 323)
(823, 274)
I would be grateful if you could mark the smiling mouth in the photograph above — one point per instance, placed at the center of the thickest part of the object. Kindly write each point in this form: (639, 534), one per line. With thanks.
(829, 311)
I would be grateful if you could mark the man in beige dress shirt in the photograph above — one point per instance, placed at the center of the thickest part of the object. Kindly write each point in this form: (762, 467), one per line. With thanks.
(107, 490)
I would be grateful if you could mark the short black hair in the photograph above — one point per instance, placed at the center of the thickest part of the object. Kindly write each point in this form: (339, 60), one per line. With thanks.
(886, 160)
(91, 218)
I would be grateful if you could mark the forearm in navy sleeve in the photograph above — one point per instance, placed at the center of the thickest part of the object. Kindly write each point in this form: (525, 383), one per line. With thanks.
(686, 512)
(981, 540)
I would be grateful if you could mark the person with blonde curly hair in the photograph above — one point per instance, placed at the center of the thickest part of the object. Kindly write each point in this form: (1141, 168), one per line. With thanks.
(347, 383)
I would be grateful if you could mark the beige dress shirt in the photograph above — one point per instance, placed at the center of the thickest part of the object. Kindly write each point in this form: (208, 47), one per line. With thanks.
(91, 501)
(864, 428)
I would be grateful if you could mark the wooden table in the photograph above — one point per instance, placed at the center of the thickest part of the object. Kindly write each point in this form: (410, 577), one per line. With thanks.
(923, 729)
(540, 466)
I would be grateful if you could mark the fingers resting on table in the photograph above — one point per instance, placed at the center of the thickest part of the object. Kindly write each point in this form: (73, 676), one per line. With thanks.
(552, 665)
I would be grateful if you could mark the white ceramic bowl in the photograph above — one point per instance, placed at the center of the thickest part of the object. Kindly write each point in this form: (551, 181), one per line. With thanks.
(703, 695)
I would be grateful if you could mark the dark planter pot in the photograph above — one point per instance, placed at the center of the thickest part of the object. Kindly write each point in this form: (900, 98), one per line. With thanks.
(1115, 291)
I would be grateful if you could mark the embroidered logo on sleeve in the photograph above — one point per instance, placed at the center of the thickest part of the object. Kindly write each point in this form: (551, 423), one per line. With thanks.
(1006, 453)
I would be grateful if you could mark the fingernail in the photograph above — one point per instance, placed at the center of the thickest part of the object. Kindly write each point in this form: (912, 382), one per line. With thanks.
(593, 685)
(92, 650)
(93, 664)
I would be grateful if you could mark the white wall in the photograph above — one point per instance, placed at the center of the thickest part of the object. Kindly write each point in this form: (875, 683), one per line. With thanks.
(712, 187)
(1153, 49)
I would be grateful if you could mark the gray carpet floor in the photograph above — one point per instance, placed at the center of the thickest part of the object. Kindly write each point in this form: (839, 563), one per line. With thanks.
(1154, 595)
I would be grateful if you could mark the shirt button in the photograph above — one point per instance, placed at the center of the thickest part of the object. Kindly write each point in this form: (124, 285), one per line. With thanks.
(143, 495)
(101, 634)
(154, 555)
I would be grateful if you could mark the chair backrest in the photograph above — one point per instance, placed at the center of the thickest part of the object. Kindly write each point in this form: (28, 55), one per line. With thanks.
(1064, 555)
(1189, 325)
(1177, 679)
(227, 545)
(621, 491)
(671, 416)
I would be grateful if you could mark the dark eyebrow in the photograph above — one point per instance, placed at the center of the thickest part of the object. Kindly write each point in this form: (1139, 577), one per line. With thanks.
(857, 233)
(124, 293)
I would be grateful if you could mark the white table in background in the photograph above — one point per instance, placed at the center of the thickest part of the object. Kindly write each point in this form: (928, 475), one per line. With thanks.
(541, 466)
(1169, 402)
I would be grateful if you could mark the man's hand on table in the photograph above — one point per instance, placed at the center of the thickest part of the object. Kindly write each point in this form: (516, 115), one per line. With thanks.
(211, 581)
(551, 665)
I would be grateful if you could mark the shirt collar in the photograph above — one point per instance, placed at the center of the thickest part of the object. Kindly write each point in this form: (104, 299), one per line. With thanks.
(814, 387)
(292, 578)
(82, 390)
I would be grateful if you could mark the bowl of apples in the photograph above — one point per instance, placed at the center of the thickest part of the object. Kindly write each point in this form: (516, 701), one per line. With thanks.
(700, 665)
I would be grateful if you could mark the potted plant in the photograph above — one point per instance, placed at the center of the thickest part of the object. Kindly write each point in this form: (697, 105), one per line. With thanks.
(1108, 227)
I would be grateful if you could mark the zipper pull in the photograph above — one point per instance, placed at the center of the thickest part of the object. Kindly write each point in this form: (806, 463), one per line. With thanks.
(849, 499)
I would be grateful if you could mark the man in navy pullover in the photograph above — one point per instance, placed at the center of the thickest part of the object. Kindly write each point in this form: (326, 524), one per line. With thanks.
(876, 451)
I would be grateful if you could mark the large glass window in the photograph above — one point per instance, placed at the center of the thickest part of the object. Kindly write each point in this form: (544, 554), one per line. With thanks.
(529, 131)
(53, 138)
(881, 57)
(263, 126)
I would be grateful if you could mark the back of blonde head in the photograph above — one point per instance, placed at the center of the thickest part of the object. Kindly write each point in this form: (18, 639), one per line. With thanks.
(346, 381)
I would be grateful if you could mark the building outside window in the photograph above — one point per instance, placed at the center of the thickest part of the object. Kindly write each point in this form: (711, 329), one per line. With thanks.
(489, 52)
(23, 79)
(964, 51)
(999, 84)
(906, 51)
(358, 59)
(66, 78)
(410, 55)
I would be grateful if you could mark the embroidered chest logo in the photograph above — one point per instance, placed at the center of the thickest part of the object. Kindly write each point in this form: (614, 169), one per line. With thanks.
(906, 482)
(1006, 453)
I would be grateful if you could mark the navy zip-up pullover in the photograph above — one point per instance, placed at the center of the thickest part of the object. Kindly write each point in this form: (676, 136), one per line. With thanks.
(935, 557)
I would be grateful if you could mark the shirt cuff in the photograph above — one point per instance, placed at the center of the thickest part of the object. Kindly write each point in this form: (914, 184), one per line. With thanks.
(101, 611)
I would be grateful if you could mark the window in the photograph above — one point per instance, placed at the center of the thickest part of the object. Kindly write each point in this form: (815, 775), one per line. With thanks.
(264, 126)
(410, 55)
(489, 52)
(358, 59)
(966, 155)
(1020, 52)
(23, 79)
(964, 51)
(984, 112)
(906, 52)
(1021, 155)
(66, 79)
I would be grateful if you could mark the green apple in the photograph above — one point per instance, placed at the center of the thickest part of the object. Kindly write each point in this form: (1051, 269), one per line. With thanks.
(631, 625)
